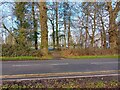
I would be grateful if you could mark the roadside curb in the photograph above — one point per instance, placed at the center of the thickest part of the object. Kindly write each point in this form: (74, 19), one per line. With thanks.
(44, 75)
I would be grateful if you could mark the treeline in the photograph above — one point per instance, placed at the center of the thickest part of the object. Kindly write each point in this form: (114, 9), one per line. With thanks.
(61, 25)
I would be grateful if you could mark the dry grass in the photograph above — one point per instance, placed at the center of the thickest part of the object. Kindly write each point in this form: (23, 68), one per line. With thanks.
(88, 52)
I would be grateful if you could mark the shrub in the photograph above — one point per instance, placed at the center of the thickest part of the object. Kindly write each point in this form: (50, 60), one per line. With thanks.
(17, 50)
(88, 51)
(36, 53)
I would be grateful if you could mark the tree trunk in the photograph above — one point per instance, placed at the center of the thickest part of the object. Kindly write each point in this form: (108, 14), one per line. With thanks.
(53, 35)
(94, 27)
(93, 35)
(69, 33)
(86, 34)
(34, 26)
(57, 37)
(112, 25)
(103, 34)
(64, 25)
(112, 32)
(44, 28)
(64, 32)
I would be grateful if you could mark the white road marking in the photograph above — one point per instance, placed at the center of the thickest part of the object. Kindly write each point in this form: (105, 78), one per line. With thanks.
(23, 65)
(59, 64)
(20, 65)
(104, 62)
(27, 65)
(66, 77)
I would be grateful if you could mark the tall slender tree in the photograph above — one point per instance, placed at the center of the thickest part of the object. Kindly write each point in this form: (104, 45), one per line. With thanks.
(34, 26)
(44, 28)
(69, 31)
(57, 37)
(51, 18)
(65, 14)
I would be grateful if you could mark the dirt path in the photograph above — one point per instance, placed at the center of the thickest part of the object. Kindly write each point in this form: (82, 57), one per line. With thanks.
(56, 55)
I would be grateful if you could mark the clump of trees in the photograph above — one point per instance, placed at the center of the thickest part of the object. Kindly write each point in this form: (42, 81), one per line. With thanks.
(66, 25)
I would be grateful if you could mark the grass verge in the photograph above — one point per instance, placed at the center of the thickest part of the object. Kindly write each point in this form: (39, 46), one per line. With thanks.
(49, 57)
(25, 58)
(92, 57)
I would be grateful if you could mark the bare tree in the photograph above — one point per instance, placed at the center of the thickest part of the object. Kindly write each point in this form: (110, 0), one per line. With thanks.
(34, 26)
(51, 18)
(112, 23)
(57, 37)
(44, 28)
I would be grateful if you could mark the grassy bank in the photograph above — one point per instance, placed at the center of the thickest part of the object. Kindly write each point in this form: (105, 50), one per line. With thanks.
(25, 58)
(51, 57)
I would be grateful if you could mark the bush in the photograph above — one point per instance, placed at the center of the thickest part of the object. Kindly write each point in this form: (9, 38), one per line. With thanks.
(17, 50)
(88, 51)
(36, 53)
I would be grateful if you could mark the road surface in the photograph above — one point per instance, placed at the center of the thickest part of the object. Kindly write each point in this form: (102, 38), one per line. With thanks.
(58, 66)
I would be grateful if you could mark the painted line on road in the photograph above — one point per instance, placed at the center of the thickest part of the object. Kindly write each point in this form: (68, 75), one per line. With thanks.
(104, 62)
(59, 64)
(27, 65)
(20, 65)
(58, 74)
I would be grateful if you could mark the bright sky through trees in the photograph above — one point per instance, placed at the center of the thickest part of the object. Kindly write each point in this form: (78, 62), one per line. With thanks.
(9, 18)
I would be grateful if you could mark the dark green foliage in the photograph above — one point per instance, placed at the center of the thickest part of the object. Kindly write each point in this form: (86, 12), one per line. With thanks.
(17, 50)
(36, 53)
(14, 50)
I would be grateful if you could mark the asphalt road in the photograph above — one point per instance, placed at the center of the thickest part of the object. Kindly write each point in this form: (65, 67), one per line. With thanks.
(58, 66)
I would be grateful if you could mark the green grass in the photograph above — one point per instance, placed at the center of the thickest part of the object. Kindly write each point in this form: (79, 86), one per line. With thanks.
(50, 57)
(25, 58)
(92, 57)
